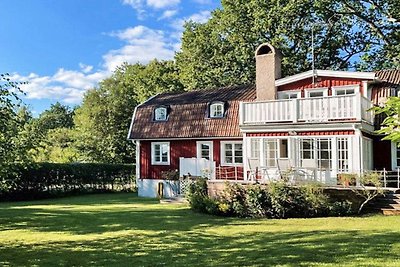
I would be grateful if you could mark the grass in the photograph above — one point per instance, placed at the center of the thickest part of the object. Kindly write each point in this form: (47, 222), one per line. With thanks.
(124, 230)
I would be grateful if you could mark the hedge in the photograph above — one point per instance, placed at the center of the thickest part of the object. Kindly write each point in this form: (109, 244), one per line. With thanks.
(41, 180)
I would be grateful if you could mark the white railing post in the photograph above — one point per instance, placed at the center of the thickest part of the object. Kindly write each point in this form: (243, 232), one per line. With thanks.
(295, 110)
(236, 174)
(384, 177)
(357, 106)
(398, 178)
(241, 113)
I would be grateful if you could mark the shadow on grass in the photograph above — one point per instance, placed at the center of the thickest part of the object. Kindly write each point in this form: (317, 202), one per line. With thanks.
(141, 232)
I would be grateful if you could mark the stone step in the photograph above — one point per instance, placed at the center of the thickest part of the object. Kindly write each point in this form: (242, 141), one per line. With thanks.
(390, 212)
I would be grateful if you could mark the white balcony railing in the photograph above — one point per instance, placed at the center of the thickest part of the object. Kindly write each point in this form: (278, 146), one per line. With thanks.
(318, 109)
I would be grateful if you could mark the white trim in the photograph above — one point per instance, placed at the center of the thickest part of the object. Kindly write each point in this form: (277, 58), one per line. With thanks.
(191, 138)
(326, 73)
(324, 91)
(355, 87)
(134, 115)
(198, 149)
(138, 163)
(222, 146)
(153, 162)
(394, 156)
(289, 92)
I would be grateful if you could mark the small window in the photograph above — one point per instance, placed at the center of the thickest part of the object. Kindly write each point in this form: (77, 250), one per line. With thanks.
(289, 95)
(317, 92)
(160, 114)
(160, 153)
(205, 150)
(217, 110)
(345, 90)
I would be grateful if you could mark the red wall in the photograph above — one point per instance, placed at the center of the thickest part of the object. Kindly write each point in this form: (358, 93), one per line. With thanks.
(178, 148)
(320, 82)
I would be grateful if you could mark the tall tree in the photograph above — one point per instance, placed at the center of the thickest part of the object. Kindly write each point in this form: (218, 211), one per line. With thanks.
(105, 115)
(221, 51)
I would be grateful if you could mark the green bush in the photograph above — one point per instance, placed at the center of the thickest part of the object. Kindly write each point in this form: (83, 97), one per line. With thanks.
(40, 180)
(277, 200)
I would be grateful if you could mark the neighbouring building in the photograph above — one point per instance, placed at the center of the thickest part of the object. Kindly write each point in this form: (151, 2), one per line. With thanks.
(317, 123)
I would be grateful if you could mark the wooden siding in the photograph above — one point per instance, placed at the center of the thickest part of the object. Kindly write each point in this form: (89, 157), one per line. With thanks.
(178, 148)
(320, 82)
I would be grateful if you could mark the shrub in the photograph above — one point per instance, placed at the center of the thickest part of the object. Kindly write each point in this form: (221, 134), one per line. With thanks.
(41, 180)
(340, 208)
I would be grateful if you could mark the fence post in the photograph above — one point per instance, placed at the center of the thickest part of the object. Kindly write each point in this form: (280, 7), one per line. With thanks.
(236, 174)
(384, 177)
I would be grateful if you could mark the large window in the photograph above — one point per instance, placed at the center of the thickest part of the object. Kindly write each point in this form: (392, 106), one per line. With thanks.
(160, 153)
(217, 110)
(232, 153)
(316, 153)
(343, 154)
(275, 149)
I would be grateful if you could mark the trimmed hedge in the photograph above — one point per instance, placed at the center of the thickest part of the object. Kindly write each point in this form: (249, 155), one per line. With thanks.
(40, 180)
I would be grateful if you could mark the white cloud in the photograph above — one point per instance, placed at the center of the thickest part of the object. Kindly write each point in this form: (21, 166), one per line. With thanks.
(85, 68)
(141, 6)
(168, 14)
(201, 17)
(162, 3)
(65, 85)
(143, 45)
(203, 2)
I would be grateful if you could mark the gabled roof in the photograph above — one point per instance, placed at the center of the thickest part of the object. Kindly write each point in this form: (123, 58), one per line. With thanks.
(326, 73)
(187, 117)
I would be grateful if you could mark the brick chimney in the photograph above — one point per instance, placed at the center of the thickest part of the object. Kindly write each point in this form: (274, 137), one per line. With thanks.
(268, 69)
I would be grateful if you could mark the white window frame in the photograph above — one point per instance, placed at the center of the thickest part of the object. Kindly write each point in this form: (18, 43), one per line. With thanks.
(198, 145)
(223, 160)
(281, 94)
(213, 110)
(153, 155)
(156, 116)
(394, 156)
(336, 89)
(324, 91)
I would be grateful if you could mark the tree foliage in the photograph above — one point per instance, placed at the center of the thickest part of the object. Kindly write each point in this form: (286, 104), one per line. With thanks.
(105, 115)
(390, 126)
(344, 30)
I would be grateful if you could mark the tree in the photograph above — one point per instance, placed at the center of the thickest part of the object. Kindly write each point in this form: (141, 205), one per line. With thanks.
(105, 115)
(51, 135)
(221, 51)
(11, 122)
(390, 127)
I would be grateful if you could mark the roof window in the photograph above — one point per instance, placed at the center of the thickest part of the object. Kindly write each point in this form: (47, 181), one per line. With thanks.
(160, 114)
(217, 110)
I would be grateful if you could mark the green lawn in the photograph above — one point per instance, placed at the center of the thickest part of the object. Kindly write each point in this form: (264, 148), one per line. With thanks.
(123, 230)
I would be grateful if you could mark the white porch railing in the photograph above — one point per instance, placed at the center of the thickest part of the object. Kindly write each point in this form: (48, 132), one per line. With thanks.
(318, 109)
(196, 167)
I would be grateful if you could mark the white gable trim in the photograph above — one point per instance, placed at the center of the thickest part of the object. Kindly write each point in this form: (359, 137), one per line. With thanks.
(326, 73)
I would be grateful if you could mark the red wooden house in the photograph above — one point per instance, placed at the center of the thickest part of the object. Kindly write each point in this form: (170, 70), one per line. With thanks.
(317, 123)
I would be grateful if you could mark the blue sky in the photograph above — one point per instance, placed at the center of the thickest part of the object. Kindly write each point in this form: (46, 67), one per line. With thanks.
(64, 47)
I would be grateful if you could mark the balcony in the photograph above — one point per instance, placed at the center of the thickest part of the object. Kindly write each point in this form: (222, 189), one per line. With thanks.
(307, 110)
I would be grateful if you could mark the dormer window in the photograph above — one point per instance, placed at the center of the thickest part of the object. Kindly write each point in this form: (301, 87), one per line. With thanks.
(160, 114)
(217, 110)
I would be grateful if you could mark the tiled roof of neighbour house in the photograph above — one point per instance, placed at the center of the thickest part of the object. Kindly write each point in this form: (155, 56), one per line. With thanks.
(389, 85)
(188, 114)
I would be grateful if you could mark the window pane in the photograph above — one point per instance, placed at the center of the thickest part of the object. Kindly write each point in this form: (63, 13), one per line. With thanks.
(205, 151)
(161, 114)
(284, 148)
(316, 94)
(255, 148)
